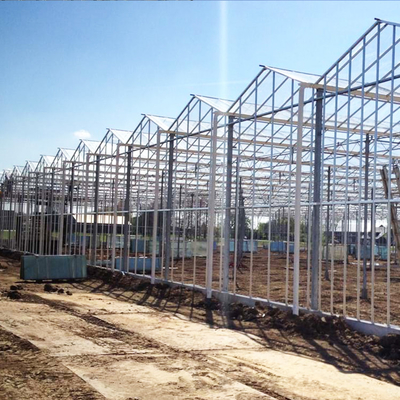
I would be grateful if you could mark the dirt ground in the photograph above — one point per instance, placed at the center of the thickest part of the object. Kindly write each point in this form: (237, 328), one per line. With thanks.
(255, 282)
(116, 337)
(338, 293)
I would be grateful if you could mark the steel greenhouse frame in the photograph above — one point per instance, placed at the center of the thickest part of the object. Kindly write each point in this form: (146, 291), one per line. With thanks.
(275, 196)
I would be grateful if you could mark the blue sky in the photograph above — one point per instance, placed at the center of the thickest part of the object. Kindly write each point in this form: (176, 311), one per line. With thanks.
(72, 66)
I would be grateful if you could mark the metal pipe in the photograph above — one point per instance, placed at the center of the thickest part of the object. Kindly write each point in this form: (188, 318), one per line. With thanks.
(227, 219)
(327, 227)
(95, 213)
(169, 209)
(211, 210)
(317, 199)
(125, 264)
(155, 211)
(297, 211)
(364, 293)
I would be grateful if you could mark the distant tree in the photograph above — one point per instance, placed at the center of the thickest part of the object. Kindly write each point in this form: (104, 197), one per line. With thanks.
(279, 229)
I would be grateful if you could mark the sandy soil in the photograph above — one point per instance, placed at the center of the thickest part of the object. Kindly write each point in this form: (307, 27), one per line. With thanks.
(119, 338)
(28, 373)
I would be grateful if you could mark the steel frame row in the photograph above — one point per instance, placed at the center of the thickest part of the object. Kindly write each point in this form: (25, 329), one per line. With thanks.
(288, 194)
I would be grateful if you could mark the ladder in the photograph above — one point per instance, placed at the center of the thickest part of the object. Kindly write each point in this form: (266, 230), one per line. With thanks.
(393, 210)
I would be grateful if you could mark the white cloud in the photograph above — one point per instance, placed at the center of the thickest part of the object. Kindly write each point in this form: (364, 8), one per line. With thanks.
(82, 134)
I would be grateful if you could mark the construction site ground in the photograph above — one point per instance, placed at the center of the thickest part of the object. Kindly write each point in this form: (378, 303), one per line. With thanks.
(115, 337)
(340, 284)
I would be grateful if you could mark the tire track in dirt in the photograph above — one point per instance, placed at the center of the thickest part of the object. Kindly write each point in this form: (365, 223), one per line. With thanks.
(214, 361)
(182, 375)
(133, 354)
(29, 373)
(168, 351)
(107, 328)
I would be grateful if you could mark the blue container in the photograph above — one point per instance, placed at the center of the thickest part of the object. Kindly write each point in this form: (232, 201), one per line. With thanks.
(383, 253)
(368, 252)
(352, 249)
(246, 246)
(53, 267)
(278, 247)
(119, 242)
(141, 262)
(281, 247)
(77, 240)
(140, 243)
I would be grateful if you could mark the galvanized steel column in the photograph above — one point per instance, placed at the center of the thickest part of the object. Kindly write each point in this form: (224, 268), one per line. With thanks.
(317, 200)
(61, 221)
(127, 213)
(71, 208)
(364, 294)
(115, 208)
(155, 216)
(228, 197)
(169, 207)
(297, 211)
(211, 207)
(42, 214)
(85, 207)
(96, 210)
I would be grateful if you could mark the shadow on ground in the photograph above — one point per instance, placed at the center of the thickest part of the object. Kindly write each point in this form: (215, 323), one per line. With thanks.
(328, 339)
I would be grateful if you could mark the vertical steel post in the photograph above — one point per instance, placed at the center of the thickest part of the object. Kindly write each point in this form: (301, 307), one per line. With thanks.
(24, 222)
(96, 211)
(13, 207)
(9, 224)
(85, 206)
(241, 224)
(115, 208)
(78, 228)
(327, 227)
(1, 215)
(297, 206)
(179, 223)
(155, 216)
(15, 215)
(27, 217)
(62, 211)
(71, 208)
(388, 273)
(169, 207)
(364, 293)
(42, 214)
(317, 200)
(127, 211)
(18, 216)
(50, 219)
(35, 236)
(18, 227)
(211, 207)
(228, 197)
